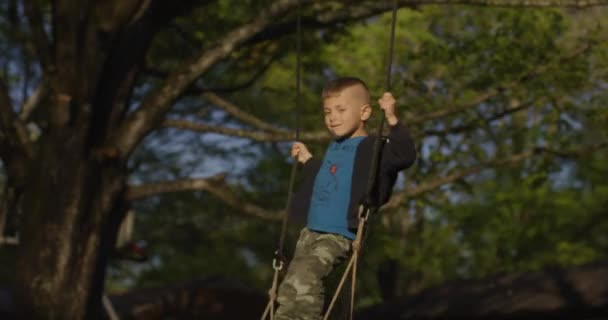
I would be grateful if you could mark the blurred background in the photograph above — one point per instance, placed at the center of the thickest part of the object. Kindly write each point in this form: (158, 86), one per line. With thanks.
(502, 216)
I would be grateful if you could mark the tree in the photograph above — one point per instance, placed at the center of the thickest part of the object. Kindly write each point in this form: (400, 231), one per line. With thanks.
(474, 211)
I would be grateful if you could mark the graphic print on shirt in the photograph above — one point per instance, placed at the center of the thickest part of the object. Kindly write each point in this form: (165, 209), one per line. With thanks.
(330, 184)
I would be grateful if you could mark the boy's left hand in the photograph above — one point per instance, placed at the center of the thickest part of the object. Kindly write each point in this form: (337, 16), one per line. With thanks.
(387, 103)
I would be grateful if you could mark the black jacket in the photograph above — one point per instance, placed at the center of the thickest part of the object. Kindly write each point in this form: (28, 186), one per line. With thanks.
(398, 153)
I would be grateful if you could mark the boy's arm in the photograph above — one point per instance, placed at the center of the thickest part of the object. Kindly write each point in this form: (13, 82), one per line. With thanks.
(311, 167)
(399, 152)
(300, 202)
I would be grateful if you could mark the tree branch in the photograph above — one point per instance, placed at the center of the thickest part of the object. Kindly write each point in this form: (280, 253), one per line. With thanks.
(431, 185)
(13, 134)
(279, 134)
(217, 187)
(573, 153)
(244, 117)
(325, 17)
(246, 84)
(261, 136)
(474, 123)
(484, 96)
(214, 185)
(41, 41)
(492, 92)
(155, 105)
(32, 102)
(154, 72)
(114, 14)
(139, 21)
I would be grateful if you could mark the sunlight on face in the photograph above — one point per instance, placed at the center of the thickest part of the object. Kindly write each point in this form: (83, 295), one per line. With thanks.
(346, 112)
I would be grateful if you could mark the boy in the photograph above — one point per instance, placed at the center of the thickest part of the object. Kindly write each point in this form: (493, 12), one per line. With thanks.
(333, 189)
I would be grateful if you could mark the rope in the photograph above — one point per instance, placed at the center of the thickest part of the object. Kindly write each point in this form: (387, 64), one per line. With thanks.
(376, 153)
(369, 206)
(297, 131)
(352, 264)
(272, 293)
(278, 262)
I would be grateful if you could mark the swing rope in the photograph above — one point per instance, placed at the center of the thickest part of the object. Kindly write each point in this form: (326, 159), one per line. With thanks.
(369, 207)
(278, 262)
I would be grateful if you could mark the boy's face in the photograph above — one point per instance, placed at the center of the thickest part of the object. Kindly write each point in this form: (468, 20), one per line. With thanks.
(346, 112)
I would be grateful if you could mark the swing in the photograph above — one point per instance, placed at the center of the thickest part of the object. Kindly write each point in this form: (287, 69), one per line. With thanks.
(365, 210)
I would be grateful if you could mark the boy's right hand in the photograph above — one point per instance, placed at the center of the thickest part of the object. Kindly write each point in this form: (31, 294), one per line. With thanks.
(300, 152)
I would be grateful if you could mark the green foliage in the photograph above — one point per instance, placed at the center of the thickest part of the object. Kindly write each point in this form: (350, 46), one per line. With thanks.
(518, 79)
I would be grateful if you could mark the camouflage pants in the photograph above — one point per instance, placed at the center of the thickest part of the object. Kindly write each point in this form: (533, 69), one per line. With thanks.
(301, 295)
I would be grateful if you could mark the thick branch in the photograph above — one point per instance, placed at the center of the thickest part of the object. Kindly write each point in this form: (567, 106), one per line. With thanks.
(155, 105)
(323, 18)
(351, 12)
(262, 136)
(137, 192)
(214, 185)
(431, 185)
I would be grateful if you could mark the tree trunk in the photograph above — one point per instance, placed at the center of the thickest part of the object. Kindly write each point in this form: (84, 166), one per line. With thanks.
(66, 230)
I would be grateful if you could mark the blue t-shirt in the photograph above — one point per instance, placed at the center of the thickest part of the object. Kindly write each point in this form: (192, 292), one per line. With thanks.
(331, 192)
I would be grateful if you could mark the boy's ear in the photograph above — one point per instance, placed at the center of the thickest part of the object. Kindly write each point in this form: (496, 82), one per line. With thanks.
(366, 112)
